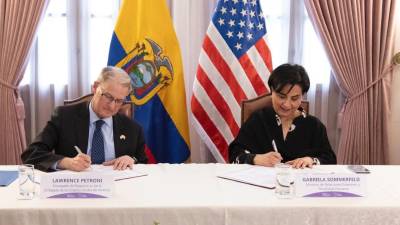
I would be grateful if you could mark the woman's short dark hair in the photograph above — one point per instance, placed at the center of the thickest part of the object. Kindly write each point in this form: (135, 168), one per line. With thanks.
(288, 74)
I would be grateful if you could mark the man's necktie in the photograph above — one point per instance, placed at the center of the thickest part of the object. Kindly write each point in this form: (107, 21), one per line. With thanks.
(97, 152)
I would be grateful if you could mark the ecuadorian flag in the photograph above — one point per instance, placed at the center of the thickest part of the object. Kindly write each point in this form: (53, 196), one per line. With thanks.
(144, 44)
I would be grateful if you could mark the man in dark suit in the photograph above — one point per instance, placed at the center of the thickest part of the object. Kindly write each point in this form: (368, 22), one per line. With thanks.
(92, 128)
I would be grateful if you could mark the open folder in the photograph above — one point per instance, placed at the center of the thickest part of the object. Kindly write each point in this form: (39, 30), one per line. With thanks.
(255, 175)
(7, 177)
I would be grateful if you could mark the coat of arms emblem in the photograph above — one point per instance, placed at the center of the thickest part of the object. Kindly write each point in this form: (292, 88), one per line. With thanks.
(148, 69)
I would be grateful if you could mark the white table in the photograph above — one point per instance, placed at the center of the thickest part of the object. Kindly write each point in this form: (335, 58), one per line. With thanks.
(192, 194)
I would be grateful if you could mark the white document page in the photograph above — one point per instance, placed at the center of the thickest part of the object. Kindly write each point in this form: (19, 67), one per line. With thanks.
(255, 175)
(118, 174)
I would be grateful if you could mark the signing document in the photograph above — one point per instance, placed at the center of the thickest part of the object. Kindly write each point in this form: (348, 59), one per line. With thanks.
(265, 176)
(117, 174)
(108, 170)
(254, 175)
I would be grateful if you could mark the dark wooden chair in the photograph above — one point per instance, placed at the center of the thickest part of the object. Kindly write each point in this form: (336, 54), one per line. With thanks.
(84, 98)
(251, 105)
(126, 108)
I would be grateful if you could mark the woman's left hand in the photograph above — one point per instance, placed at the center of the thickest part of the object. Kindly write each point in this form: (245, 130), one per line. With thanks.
(301, 162)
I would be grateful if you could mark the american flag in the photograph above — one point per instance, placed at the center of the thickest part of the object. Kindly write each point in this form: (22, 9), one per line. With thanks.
(234, 65)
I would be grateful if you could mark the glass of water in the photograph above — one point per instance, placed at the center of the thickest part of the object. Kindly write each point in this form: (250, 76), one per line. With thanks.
(26, 178)
(284, 185)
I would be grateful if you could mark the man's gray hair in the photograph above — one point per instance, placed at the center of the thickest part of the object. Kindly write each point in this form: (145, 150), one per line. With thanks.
(117, 74)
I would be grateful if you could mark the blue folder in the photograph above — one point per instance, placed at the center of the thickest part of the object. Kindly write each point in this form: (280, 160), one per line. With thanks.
(7, 177)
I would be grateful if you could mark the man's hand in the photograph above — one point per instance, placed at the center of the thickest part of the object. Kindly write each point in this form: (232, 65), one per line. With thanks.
(120, 163)
(268, 159)
(301, 162)
(79, 163)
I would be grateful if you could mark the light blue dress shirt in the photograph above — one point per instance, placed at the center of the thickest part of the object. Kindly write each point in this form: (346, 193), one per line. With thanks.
(108, 134)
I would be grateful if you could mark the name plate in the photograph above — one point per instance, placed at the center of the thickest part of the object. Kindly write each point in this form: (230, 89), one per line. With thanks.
(76, 185)
(330, 185)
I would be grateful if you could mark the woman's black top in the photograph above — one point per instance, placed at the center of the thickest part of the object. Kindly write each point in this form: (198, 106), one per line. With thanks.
(306, 137)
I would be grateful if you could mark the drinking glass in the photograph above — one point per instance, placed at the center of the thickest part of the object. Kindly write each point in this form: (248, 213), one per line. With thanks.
(26, 178)
(284, 185)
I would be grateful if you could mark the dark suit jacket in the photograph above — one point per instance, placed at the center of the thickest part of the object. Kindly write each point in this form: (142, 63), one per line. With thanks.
(69, 126)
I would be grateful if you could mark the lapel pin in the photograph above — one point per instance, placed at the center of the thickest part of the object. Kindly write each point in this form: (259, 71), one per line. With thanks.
(122, 137)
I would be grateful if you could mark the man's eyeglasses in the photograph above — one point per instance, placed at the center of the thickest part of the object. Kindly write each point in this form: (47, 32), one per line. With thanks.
(109, 98)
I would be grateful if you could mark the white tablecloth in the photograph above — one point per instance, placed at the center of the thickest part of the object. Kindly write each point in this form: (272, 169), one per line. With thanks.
(192, 194)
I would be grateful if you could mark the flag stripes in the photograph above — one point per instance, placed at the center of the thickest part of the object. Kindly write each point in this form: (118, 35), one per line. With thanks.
(234, 65)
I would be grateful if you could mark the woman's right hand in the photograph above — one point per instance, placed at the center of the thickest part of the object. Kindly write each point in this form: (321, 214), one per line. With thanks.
(268, 159)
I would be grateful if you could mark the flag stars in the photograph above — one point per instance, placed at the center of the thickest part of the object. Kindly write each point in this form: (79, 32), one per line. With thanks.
(221, 21)
(229, 34)
(241, 23)
(231, 23)
(252, 13)
(223, 10)
(251, 25)
(249, 36)
(233, 11)
(240, 35)
(238, 46)
(243, 12)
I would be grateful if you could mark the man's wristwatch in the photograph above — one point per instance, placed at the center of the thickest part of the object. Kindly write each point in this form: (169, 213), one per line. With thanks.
(316, 161)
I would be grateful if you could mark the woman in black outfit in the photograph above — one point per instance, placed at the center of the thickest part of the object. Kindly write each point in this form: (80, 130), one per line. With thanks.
(301, 139)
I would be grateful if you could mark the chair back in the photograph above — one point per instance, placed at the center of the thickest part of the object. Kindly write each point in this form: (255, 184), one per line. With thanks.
(84, 98)
(126, 108)
(251, 105)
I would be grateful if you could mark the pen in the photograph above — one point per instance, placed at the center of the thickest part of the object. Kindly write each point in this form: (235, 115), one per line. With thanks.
(274, 145)
(80, 152)
(78, 149)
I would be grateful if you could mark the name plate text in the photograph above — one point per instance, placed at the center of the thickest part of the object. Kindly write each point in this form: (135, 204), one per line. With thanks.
(76, 185)
(330, 185)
